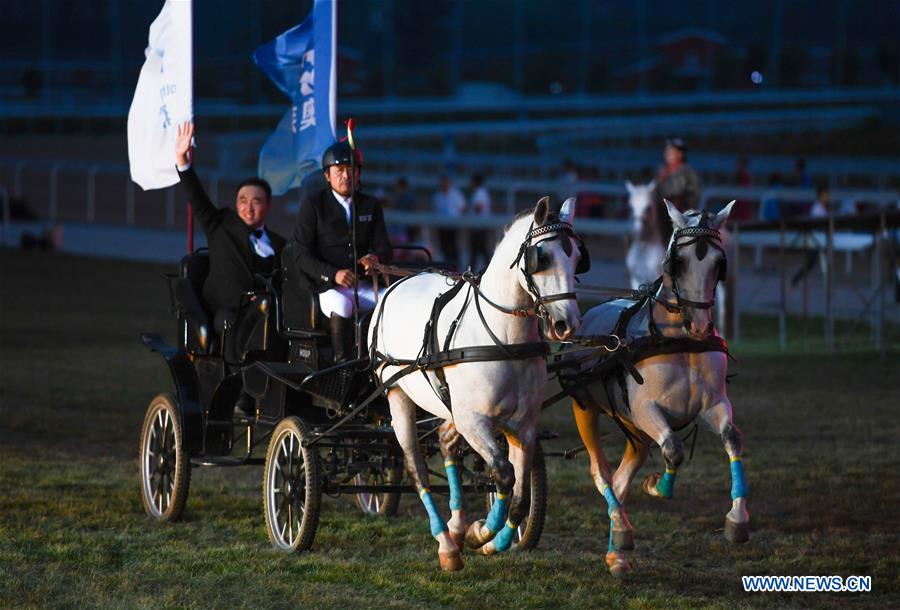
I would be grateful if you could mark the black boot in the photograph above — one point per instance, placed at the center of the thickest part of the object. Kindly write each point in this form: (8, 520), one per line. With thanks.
(245, 407)
(341, 337)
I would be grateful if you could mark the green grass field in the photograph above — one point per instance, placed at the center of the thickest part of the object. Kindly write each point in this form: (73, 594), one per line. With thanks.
(821, 454)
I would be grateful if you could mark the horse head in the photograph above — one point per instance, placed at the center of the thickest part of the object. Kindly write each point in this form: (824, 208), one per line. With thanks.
(639, 199)
(550, 256)
(694, 265)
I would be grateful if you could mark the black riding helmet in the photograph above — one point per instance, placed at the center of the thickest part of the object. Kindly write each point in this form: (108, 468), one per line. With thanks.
(339, 154)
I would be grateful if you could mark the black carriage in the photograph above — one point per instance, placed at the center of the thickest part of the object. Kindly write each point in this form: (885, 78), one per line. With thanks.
(306, 407)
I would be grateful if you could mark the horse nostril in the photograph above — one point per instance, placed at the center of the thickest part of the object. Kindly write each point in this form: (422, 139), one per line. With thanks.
(560, 327)
(687, 324)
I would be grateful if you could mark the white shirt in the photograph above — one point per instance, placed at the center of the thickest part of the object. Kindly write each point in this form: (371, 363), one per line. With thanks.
(818, 210)
(481, 202)
(345, 203)
(450, 202)
(261, 245)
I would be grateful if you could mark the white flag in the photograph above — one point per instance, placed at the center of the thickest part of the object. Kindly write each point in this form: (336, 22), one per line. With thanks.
(163, 98)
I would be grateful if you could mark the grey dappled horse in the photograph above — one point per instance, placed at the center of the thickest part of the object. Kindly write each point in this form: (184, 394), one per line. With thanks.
(677, 389)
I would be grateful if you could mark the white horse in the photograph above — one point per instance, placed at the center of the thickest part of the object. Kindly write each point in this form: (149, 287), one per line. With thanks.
(645, 255)
(532, 270)
(677, 387)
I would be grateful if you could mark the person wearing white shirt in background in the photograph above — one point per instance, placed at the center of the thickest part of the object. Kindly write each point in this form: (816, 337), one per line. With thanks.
(480, 205)
(449, 202)
(819, 210)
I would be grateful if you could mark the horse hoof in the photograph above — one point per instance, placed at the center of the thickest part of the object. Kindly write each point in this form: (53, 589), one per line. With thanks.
(649, 485)
(623, 539)
(736, 532)
(617, 564)
(451, 561)
(474, 539)
(458, 538)
(488, 549)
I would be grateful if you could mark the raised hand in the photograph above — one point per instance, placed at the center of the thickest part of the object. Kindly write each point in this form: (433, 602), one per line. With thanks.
(183, 138)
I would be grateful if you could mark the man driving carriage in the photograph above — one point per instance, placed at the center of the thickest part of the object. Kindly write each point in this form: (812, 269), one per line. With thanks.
(323, 245)
(240, 248)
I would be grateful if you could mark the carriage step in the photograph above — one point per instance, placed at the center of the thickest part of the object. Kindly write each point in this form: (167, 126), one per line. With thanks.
(227, 461)
(238, 420)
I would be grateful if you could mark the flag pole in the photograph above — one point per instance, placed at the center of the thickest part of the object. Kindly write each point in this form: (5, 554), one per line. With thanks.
(190, 208)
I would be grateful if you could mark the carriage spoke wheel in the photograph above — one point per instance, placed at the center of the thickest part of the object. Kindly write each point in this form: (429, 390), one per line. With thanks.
(291, 491)
(529, 531)
(165, 467)
(373, 503)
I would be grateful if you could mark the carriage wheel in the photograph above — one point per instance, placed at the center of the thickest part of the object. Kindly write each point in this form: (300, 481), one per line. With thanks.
(165, 467)
(291, 488)
(379, 503)
(529, 531)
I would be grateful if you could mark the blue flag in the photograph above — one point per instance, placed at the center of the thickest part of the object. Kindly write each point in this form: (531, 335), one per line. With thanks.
(302, 63)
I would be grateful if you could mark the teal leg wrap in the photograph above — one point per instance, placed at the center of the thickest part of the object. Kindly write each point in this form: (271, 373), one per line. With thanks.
(739, 487)
(434, 517)
(453, 478)
(611, 501)
(503, 540)
(666, 485)
(497, 516)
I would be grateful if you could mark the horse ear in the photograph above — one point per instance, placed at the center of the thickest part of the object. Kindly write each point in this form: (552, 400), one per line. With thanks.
(722, 216)
(567, 212)
(541, 210)
(652, 185)
(678, 219)
(629, 187)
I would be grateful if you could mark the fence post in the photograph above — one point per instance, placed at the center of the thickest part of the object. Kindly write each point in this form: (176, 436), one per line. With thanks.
(7, 215)
(17, 179)
(879, 281)
(782, 312)
(54, 192)
(129, 202)
(829, 281)
(90, 211)
(734, 277)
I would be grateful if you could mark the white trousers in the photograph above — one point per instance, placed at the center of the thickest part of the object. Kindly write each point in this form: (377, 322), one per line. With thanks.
(340, 301)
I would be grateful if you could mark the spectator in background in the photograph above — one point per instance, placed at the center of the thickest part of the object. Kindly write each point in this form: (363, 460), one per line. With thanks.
(770, 207)
(820, 209)
(449, 202)
(801, 177)
(569, 179)
(678, 183)
(479, 205)
(403, 200)
(742, 178)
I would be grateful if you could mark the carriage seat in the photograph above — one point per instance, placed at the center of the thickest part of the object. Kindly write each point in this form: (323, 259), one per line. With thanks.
(202, 336)
(299, 305)
(193, 271)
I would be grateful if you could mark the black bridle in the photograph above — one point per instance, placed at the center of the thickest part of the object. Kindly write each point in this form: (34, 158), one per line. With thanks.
(536, 260)
(704, 237)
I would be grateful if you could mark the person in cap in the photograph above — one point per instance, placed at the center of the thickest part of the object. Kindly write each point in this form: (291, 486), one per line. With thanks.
(324, 250)
(678, 183)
